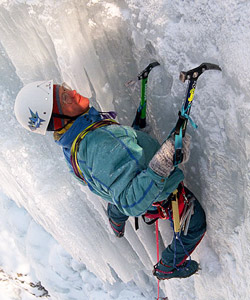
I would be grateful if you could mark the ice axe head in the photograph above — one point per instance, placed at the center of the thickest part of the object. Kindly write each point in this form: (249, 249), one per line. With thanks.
(146, 71)
(196, 72)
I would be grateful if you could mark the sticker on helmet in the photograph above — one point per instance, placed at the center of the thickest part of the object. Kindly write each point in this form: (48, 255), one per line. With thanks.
(35, 121)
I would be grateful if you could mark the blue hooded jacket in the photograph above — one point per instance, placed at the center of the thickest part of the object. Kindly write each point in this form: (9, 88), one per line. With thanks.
(114, 160)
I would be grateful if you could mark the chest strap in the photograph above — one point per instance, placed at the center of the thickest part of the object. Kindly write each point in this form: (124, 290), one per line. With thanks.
(77, 141)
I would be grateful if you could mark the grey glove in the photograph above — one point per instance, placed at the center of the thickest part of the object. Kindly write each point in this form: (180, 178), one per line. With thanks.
(186, 148)
(162, 161)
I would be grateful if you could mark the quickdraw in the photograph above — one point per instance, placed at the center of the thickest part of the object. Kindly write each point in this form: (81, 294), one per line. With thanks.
(162, 212)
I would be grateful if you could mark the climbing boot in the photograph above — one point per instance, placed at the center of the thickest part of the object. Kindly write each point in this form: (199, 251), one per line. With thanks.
(117, 228)
(162, 271)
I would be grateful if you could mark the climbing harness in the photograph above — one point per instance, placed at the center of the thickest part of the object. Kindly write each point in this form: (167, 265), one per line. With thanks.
(178, 197)
(79, 138)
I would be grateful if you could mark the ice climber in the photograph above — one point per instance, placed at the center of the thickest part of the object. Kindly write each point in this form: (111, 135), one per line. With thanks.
(127, 168)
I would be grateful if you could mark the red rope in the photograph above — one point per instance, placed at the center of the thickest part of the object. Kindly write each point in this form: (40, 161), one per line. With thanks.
(158, 256)
(157, 239)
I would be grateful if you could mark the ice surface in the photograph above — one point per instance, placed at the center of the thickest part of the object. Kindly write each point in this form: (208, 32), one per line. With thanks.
(96, 46)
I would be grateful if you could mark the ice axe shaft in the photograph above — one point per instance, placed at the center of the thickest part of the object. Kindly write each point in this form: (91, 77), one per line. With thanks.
(140, 118)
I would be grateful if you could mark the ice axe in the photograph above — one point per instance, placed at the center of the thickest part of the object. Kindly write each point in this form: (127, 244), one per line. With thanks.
(140, 117)
(181, 125)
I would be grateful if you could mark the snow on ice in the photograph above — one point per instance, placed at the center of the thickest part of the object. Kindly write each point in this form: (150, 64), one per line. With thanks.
(55, 232)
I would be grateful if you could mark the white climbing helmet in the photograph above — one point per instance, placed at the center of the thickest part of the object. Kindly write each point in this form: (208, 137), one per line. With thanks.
(33, 106)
